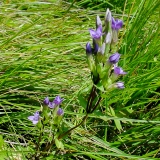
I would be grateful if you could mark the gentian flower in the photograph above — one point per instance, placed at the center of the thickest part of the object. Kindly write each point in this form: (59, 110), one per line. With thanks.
(108, 15)
(51, 105)
(46, 101)
(119, 71)
(98, 21)
(120, 85)
(116, 24)
(60, 112)
(35, 118)
(95, 47)
(114, 58)
(57, 100)
(88, 49)
(96, 34)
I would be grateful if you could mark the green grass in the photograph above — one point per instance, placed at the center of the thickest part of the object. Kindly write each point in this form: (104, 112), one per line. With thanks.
(42, 54)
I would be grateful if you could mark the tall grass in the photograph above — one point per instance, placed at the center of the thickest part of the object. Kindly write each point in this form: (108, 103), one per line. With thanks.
(42, 54)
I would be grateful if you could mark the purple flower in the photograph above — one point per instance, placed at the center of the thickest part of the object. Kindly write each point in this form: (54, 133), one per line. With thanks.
(96, 34)
(60, 112)
(51, 105)
(46, 101)
(114, 58)
(116, 24)
(120, 85)
(57, 100)
(119, 71)
(88, 49)
(95, 47)
(34, 118)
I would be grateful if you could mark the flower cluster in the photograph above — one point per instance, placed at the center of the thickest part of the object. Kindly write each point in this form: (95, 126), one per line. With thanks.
(54, 106)
(103, 58)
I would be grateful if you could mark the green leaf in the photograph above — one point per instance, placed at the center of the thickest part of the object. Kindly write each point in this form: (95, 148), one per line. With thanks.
(59, 144)
(1, 141)
(82, 101)
(116, 121)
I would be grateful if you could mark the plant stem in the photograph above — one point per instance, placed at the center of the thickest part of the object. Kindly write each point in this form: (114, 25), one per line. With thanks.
(90, 99)
(64, 134)
(96, 105)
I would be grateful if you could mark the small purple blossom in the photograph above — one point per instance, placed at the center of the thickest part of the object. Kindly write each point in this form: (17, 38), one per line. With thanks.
(58, 100)
(116, 24)
(119, 71)
(96, 34)
(114, 58)
(51, 105)
(88, 49)
(95, 47)
(120, 85)
(46, 101)
(35, 118)
(60, 112)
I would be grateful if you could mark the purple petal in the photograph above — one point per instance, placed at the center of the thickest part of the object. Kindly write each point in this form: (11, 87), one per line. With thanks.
(31, 118)
(95, 47)
(34, 122)
(88, 49)
(116, 24)
(113, 21)
(99, 30)
(114, 58)
(119, 71)
(46, 101)
(57, 100)
(51, 105)
(34, 118)
(120, 85)
(60, 112)
(93, 33)
(96, 34)
(119, 24)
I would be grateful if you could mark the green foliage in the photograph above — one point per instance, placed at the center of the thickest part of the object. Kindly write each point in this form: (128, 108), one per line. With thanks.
(116, 5)
(42, 54)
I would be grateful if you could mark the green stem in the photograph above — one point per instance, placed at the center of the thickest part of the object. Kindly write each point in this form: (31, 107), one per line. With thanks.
(64, 134)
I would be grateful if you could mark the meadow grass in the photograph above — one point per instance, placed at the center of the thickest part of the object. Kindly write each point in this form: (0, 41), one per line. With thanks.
(42, 54)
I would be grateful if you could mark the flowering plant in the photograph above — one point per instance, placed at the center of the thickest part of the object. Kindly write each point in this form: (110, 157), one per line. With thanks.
(103, 61)
(103, 58)
(48, 123)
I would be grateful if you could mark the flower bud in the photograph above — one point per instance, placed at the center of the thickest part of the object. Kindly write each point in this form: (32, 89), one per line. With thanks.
(120, 85)
(119, 71)
(46, 101)
(108, 38)
(60, 112)
(98, 21)
(108, 15)
(95, 47)
(88, 49)
(114, 58)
